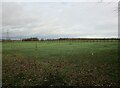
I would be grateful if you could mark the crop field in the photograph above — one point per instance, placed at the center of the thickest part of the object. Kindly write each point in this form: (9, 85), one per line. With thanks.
(60, 63)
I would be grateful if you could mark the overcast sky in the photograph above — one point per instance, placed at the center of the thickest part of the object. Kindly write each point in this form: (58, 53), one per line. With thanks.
(59, 19)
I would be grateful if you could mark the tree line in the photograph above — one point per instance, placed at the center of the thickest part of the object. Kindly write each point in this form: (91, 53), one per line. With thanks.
(59, 39)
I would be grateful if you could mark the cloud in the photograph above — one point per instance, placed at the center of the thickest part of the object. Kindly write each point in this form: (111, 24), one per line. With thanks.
(54, 20)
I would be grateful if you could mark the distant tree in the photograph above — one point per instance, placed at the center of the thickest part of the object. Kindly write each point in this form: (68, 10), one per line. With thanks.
(42, 39)
(30, 39)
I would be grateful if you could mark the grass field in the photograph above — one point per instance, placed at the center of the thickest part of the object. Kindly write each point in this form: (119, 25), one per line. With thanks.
(57, 63)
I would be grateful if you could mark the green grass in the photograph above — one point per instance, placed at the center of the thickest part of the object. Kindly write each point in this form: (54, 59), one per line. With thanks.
(60, 63)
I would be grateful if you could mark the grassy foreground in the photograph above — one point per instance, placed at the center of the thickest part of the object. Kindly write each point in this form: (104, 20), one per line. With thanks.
(60, 63)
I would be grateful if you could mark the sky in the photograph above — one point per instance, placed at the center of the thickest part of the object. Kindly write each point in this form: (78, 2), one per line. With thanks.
(59, 20)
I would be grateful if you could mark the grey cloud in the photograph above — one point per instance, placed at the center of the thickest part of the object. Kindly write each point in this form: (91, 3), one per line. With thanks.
(53, 20)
